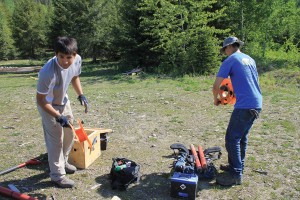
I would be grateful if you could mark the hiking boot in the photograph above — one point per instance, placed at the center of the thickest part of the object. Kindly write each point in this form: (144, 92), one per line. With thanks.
(226, 179)
(225, 167)
(64, 182)
(70, 169)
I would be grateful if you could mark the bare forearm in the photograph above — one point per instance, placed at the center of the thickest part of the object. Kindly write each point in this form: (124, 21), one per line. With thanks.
(216, 89)
(41, 101)
(77, 85)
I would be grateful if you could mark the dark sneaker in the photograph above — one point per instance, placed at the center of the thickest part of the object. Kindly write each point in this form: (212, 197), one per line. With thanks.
(226, 179)
(225, 167)
(64, 182)
(70, 169)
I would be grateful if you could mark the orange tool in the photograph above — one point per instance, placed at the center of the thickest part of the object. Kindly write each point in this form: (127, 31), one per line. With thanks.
(197, 161)
(81, 134)
(16, 195)
(226, 92)
(202, 157)
(33, 161)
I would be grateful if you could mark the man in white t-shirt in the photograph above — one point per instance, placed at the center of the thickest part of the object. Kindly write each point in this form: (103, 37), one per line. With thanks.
(54, 107)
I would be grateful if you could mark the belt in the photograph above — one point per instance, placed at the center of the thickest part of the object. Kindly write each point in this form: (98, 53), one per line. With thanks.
(57, 104)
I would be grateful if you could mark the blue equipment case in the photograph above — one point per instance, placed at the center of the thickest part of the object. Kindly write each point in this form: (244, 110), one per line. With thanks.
(184, 185)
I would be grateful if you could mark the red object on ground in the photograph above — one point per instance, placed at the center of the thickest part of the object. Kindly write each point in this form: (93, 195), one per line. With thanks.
(226, 93)
(16, 195)
(197, 161)
(33, 161)
(202, 157)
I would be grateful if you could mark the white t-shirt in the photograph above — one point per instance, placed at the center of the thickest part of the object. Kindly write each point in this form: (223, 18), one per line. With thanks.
(54, 80)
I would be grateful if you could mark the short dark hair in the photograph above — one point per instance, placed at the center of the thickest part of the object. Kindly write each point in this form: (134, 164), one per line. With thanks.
(236, 44)
(65, 45)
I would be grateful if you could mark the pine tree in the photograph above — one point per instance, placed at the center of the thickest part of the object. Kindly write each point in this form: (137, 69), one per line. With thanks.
(129, 40)
(7, 49)
(29, 28)
(183, 39)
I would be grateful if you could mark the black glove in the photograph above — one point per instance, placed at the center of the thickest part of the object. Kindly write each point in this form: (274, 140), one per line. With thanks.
(63, 120)
(83, 101)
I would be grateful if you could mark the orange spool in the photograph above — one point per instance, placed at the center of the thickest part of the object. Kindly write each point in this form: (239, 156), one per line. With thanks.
(226, 92)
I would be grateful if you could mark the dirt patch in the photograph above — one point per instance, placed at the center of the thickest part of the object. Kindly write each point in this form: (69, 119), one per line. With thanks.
(30, 69)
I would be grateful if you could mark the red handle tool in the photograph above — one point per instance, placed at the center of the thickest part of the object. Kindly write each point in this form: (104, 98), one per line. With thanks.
(202, 157)
(33, 161)
(197, 161)
(16, 195)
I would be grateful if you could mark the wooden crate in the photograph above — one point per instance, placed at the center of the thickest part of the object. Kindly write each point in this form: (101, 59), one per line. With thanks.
(81, 155)
(103, 136)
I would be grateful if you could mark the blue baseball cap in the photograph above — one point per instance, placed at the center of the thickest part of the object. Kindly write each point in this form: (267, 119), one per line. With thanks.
(230, 40)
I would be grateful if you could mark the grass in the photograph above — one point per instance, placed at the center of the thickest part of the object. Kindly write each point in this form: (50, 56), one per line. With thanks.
(21, 63)
(148, 113)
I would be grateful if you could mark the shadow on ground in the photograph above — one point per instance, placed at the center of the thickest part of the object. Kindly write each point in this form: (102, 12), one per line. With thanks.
(151, 186)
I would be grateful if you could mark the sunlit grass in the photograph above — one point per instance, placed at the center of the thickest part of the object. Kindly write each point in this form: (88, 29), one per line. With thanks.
(21, 63)
(175, 110)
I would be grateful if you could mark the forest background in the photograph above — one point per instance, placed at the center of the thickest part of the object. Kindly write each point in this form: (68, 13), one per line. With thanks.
(151, 111)
(175, 37)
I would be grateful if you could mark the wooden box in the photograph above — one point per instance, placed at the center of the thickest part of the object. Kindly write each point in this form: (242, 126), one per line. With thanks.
(81, 155)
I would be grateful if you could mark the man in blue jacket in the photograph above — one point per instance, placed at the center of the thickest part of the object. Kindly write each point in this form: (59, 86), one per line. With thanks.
(242, 71)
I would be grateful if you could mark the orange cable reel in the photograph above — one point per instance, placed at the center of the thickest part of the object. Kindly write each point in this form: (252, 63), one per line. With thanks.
(226, 92)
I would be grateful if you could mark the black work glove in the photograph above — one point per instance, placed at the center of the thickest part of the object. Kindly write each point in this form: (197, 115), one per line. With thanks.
(83, 101)
(63, 120)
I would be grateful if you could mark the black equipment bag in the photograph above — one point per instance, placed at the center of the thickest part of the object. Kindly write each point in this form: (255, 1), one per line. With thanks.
(124, 172)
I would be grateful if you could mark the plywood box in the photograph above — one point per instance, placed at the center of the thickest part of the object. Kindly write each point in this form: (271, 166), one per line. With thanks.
(103, 136)
(81, 155)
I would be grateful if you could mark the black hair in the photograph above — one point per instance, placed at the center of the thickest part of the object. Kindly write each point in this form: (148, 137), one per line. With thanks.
(236, 44)
(65, 45)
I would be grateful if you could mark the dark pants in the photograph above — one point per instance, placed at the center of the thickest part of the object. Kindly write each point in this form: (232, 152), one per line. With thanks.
(236, 139)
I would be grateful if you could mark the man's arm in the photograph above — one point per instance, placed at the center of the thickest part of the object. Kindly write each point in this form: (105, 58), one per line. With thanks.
(216, 89)
(41, 101)
(77, 85)
(78, 89)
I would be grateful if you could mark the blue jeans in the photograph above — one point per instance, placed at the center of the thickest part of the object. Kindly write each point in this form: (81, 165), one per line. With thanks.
(236, 139)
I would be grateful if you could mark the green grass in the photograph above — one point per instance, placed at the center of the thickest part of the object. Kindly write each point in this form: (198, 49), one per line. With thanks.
(148, 113)
(21, 63)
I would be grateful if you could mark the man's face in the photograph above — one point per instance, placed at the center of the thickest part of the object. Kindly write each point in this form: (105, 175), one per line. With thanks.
(65, 60)
(228, 50)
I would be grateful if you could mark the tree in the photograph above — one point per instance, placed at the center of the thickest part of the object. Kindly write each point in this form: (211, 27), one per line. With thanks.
(7, 49)
(99, 38)
(181, 34)
(29, 28)
(132, 45)
(90, 22)
(265, 26)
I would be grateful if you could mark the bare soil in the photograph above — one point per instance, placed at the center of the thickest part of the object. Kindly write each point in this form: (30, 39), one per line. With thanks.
(15, 70)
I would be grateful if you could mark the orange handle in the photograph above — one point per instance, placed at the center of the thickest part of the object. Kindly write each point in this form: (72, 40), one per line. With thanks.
(16, 195)
(202, 157)
(76, 136)
(85, 135)
(197, 161)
